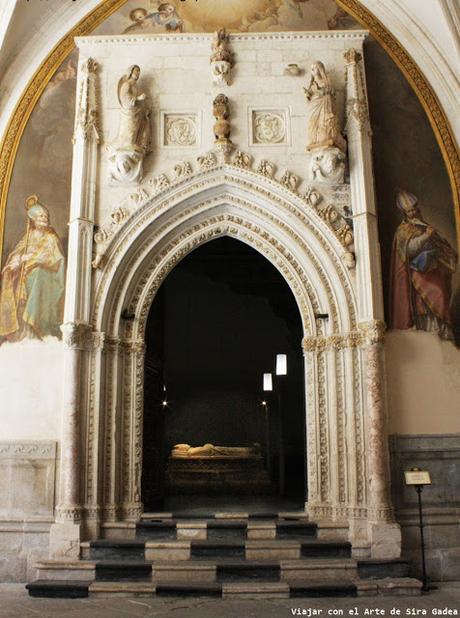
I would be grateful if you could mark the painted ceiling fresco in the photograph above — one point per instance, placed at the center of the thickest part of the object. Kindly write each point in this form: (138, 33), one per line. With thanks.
(147, 16)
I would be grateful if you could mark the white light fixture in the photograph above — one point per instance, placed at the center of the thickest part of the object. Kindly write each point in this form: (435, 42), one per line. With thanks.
(281, 364)
(268, 382)
(164, 403)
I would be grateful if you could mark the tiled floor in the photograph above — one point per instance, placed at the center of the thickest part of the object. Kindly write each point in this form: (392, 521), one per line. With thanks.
(15, 603)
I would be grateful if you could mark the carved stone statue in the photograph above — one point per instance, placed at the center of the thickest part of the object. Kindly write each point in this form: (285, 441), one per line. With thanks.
(133, 141)
(134, 127)
(221, 58)
(324, 138)
(211, 450)
(323, 125)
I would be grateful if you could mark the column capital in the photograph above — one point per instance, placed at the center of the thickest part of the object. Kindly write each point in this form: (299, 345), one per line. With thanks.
(372, 332)
(77, 335)
(336, 341)
(133, 346)
(352, 56)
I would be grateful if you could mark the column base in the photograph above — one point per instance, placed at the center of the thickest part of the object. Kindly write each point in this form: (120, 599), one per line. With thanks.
(385, 540)
(65, 541)
(359, 538)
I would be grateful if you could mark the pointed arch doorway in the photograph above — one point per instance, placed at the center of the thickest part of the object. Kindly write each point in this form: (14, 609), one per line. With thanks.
(214, 328)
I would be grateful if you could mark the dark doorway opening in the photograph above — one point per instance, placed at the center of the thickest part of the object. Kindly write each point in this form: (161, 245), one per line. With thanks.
(215, 327)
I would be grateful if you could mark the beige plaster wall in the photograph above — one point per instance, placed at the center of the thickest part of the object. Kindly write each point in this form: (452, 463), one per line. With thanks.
(423, 382)
(31, 389)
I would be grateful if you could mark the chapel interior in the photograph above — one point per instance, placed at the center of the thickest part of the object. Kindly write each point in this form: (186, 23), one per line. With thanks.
(215, 327)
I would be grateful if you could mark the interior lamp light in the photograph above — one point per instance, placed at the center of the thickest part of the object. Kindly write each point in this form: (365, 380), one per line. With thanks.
(281, 364)
(268, 382)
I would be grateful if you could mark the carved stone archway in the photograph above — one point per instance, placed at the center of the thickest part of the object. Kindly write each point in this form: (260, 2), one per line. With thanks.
(228, 201)
(340, 308)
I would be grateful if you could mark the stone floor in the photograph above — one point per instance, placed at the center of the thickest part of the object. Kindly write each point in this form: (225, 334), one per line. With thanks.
(15, 603)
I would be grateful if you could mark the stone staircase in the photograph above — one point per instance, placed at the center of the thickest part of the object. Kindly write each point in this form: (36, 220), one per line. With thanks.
(277, 555)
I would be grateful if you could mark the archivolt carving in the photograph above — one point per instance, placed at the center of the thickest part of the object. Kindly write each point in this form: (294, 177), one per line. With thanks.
(208, 162)
(232, 226)
(149, 211)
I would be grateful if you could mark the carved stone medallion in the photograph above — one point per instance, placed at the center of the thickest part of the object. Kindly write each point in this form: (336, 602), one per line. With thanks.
(180, 130)
(269, 127)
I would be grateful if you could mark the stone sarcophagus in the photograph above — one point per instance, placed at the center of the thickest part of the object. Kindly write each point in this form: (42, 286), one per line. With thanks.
(216, 469)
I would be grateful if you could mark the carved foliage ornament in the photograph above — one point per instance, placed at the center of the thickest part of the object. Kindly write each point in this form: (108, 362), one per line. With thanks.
(335, 219)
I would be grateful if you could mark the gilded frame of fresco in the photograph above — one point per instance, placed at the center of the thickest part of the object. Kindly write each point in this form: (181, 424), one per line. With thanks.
(411, 71)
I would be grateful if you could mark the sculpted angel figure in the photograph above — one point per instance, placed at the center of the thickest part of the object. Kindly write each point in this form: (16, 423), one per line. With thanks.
(134, 128)
(323, 125)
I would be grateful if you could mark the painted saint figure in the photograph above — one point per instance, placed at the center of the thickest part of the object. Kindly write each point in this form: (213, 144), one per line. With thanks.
(323, 124)
(134, 127)
(32, 281)
(421, 272)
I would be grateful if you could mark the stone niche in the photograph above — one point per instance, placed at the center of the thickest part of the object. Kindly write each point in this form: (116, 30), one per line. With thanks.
(27, 480)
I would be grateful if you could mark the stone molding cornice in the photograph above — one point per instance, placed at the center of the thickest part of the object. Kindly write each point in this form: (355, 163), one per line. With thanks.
(348, 35)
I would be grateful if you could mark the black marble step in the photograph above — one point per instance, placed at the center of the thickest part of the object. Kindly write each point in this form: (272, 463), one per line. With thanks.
(330, 589)
(50, 588)
(248, 570)
(164, 530)
(211, 549)
(288, 529)
(123, 571)
(188, 590)
(375, 568)
(106, 549)
(232, 530)
(325, 549)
